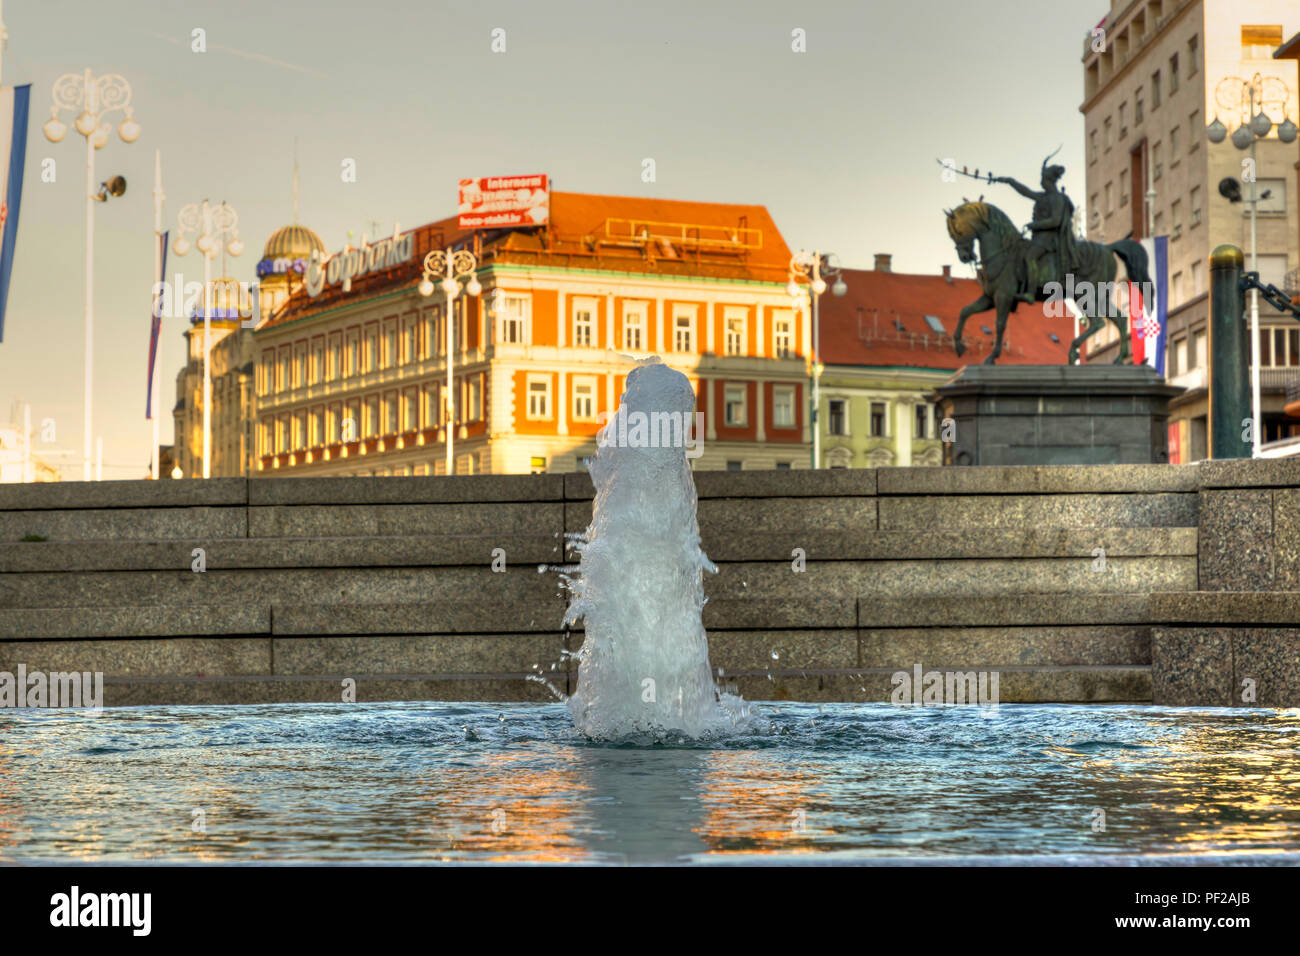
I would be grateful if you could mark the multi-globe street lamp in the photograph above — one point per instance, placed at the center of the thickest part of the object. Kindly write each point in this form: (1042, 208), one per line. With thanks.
(1257, 126)
(213, 224)
(810, 268)
(451, 266)
(95, 97)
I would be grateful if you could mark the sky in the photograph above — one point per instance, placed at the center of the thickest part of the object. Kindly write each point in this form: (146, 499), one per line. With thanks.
(839, 142)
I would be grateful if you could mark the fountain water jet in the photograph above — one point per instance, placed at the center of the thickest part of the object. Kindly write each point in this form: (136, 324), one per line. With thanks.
(644, 667)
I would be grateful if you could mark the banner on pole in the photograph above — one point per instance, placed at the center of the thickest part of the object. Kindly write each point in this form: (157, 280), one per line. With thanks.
(1148, 307)
(155, 326)
(13, 155)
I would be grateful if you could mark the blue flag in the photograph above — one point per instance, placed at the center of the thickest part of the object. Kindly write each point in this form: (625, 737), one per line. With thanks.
(13, 154)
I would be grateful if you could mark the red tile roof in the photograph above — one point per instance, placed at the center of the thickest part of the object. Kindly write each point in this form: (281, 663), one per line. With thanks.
(859, 328)
(631, 234)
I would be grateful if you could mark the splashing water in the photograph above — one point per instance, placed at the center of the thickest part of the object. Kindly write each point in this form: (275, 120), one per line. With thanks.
(643, 669)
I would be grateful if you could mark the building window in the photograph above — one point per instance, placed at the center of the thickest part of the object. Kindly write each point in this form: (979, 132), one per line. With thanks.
(1155, 89)
(1175, 217)
(838, 417)
(432, 407)
(428, 345)
(1137, 106)
(539, 397)
(389, 356)
(317, 362)
(266, 373)
(878, 420)
(1176, 288)
(351, 353)
(922, 420)
(1197, 277)
(334, 358)
(584, 322)
(370, 350)
(1093, 152)
(408, 341)
(299, 365)
(1173, 74)
(734, 400)
(584, 399)
(1156, 168)
(370, 417)
(474, 397)
(352, 421)
(1178, 358)
(735, 332)
(782, 466)
(313, 429)
(391, 426)
(1193, 55)
(1106, 130)
(515, 311)
(1259, 42)
(684, 328)
(1110, 199)
(1123, 120)
(783, 406)
(331, 424)
(783, 333)
(1173, 147)
(634, 315)
(734, 466)
(1199, 341)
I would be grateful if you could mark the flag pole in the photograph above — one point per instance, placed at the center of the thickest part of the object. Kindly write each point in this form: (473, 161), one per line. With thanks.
(155, 384)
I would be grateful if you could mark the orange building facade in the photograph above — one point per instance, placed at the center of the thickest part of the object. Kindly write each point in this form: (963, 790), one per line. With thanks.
(352, 380)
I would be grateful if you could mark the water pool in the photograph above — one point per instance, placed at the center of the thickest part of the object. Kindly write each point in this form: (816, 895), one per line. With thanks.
(431, 782)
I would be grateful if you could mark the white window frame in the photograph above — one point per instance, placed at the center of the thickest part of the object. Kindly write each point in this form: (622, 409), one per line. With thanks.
(732, 314)
(781, 392)
(591, 307)
(521, 320)
(691, 314)
(729, 389)
(548, 413)
(635, 315)
(778, 337)
(589, 413)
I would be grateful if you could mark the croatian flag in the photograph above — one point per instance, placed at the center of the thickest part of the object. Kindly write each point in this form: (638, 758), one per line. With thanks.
(1149, 309)
(13, 153)
(155, 326)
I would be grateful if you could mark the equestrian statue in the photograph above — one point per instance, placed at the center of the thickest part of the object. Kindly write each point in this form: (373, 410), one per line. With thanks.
(1014, 270)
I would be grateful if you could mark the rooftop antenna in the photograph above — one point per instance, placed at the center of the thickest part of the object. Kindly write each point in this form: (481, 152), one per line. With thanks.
(295, 180)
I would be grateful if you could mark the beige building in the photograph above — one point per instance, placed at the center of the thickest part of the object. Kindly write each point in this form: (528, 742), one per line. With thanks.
(234, 406)
(1165, 71)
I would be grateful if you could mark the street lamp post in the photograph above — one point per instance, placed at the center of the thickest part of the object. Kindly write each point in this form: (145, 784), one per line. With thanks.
(213, 224)
(811, 268)
(1257, 126)
(95, 97)
(452, 266)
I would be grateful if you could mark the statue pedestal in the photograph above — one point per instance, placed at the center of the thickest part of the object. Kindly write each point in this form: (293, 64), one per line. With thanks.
(1056, 415)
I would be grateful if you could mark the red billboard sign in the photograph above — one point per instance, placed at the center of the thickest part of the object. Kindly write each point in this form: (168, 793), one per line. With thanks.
(496, 202)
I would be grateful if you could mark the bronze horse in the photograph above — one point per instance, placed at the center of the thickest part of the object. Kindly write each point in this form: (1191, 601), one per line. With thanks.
(1002, 271)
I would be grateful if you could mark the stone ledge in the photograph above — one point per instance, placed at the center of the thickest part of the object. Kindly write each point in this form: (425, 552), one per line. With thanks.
(446, 617)
(1260, 608)
(826, 483)
(181, 620)
(1249, 473)
(1036, 479)
(977, 543)
(324, 689)
(405, 490)
(82, 495)
(276, 553)
(1011, 610)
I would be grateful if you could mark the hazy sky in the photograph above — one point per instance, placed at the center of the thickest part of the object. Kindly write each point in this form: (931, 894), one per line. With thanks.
(838, 142)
